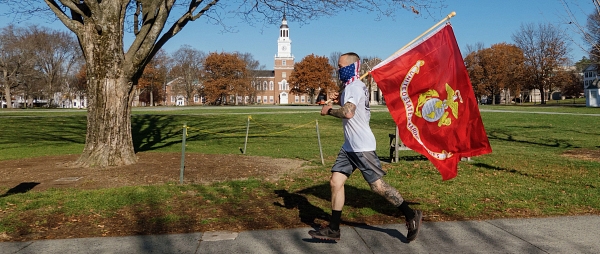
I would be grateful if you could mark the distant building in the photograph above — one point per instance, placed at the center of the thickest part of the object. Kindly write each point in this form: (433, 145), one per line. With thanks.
(272, 86)
(174, 97)
(591, 89)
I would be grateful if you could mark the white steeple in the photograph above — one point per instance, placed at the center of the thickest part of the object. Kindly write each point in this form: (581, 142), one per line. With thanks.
(284, 44)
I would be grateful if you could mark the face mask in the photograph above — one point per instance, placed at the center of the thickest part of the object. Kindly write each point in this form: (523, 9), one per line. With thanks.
(348, 73)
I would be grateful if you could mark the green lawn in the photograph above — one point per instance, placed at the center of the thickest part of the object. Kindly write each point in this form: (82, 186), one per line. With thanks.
(525, 175)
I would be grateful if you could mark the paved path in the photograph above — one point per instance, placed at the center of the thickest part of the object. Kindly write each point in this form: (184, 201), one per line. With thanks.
(569, 234)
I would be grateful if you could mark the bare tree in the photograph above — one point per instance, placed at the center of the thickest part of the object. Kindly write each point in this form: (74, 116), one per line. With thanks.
(473, 48)
(333, 61)
(546, 51)
(254, 69)
(590, 31)
(187, 68)
(113, 68)
(55, 55)
(367, 64)
(15, 61)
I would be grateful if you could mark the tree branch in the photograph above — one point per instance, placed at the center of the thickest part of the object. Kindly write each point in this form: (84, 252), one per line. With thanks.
(64, 18)
(143, 47)
(183, 20)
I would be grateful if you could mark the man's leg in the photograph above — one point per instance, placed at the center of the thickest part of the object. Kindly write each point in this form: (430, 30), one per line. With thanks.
(332, 232)
(341, 170)
(413, 217)
(387, 191)
(338, 197)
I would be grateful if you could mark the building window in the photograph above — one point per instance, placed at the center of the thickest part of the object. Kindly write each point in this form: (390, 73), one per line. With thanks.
(296, 98)
(264, 86)
(283, 74)
(283, 62)
(302, 98)
(284, 85)
(271, 99)
(271, 86)
(172, 98)
(257, 99)
(196, 98)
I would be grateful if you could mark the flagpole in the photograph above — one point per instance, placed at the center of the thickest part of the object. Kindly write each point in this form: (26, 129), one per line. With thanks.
(452, 14)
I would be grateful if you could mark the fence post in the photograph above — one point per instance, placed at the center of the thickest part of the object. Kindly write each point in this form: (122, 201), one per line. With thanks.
(247, 128)
(182, 153)
(396, 148)
(319, 138)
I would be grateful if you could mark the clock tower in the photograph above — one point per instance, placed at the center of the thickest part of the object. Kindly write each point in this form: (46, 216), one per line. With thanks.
(284, 44)
(284, 64)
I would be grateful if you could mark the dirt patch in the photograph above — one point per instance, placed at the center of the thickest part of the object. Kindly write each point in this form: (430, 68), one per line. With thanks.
(583, 154)
(195, 214)
(39, 174)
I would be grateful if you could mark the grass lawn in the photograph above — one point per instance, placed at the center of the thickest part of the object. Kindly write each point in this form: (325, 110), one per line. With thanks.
(527, 174)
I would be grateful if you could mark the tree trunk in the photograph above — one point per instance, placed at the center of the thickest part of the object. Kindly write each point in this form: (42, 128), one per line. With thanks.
(151, 98)
(542, 94)
(110, 93)
(108, 140)
(7, 91)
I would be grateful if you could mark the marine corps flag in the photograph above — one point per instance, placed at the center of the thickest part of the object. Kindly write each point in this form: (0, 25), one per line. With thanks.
(429, 95)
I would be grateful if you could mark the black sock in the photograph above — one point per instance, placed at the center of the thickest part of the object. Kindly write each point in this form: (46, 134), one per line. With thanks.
(409, 214)
(336, 217)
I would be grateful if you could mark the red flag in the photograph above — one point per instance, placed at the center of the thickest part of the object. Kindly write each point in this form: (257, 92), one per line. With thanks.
(429, 95)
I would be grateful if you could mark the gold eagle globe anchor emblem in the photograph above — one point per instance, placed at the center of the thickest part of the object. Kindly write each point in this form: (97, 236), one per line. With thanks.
(431, 108)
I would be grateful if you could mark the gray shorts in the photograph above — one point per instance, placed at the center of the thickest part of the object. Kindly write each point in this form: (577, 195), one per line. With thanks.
(367, 162)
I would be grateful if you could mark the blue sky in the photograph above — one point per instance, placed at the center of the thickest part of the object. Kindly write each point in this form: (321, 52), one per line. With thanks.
(476, 21)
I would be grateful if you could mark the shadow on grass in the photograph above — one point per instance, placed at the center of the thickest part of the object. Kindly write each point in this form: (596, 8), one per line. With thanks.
(514, 171)
(418, 157)
(308, 212)
(488, 166)
(149, 132)
(20, 188)
(355, 197)
(152, 132)
(494, 135)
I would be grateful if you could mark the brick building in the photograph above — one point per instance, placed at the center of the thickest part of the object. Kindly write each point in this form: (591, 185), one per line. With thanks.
(271, 85)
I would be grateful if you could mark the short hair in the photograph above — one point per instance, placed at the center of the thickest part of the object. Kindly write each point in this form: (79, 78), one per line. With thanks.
(353, 57)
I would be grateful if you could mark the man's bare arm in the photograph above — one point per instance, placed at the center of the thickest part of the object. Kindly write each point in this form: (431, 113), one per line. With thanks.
(347, 111)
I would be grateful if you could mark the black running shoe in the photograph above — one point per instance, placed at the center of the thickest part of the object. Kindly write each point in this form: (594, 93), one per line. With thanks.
(414, 225)
(325, 233)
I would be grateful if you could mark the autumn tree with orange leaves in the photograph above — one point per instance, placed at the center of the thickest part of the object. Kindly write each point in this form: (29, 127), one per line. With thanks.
(495, 70)
(311, 75)
(151, 84)
(225, 78)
